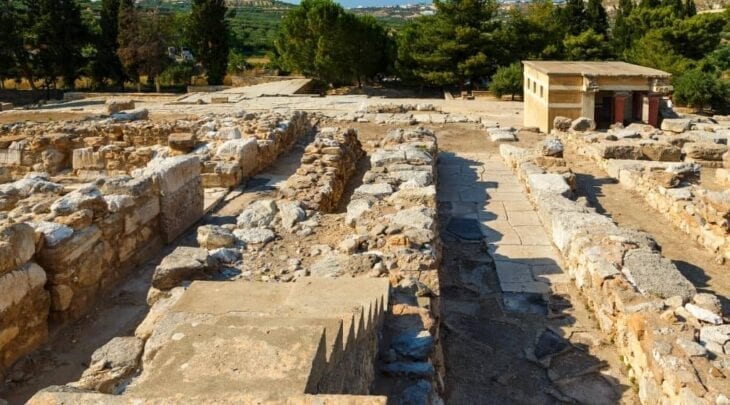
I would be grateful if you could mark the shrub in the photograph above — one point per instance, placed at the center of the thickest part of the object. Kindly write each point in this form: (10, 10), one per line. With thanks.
(507, 80)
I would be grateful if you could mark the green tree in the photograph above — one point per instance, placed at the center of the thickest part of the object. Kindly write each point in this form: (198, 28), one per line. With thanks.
(699, 89)
(653, 50)
(622, 35)
(320, 39)
(588, 45)
(210, 34)
(11, 39)
(106, 64)
(596, 17)
(151, 49)
(532, 32)
(57, 37)
(454, 46)
(573, 17)
(128, 40)
(690, 8)
(507, 80)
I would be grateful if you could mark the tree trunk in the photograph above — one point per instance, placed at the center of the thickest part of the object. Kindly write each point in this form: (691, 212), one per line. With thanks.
(139, 86)
(157, 84)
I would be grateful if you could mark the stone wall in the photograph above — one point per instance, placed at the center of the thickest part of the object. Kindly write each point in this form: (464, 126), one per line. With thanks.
(231, 149)
(86, 241)
(326, 167)
(24, 303)
(671, 189)
(670, 336)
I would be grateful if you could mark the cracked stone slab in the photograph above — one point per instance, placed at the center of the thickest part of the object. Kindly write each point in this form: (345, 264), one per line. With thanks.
(465, 228)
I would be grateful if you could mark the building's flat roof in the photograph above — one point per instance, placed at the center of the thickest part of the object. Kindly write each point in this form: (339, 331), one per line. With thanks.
(555, 67)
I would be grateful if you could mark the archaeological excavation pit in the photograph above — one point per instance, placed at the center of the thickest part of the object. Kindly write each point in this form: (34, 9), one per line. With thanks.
(383, 253)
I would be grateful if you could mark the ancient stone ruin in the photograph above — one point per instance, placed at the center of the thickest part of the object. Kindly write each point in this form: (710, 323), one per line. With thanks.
(351, 255)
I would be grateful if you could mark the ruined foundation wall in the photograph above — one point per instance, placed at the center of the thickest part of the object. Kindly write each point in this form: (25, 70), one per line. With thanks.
(702, 214)
(326, 167)
(670, 336)
(24, 303)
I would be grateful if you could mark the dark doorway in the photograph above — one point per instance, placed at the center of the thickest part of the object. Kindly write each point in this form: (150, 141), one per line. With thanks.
(603, 113)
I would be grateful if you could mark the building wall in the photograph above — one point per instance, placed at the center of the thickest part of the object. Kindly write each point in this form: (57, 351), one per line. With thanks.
(536, 96)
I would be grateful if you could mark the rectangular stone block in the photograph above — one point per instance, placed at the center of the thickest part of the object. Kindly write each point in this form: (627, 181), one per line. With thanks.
(173, 173)
(24, 307)
(86, 158)
(11, 157)
(57, 258)
(181, 209)
(142, 213)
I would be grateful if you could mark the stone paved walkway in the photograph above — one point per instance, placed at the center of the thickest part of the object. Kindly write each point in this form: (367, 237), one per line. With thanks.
(482, 187)
(514, 328)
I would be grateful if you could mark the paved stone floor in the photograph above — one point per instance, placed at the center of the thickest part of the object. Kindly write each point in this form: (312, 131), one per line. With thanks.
(515, 329)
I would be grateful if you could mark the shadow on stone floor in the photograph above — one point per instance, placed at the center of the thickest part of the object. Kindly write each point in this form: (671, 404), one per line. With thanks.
(506, 346)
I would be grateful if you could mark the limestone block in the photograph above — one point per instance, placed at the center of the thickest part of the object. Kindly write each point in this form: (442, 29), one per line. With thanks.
(173, 173)
(583, 124)
(145, 211)
(417, 217)
(677, 125)
(377, 190)
(291, 213)
(112, 365)
(255, 235)
(126, 185)
(53, 233)
(653, 274)
(661, 152)
(24, 307)
(562, 123)
(705, 151)
(133, 115)
(723, 176)
(552, 147)
(619, 150)
(88, 197)
(355, 209)
(549, 183)
(11, 157)
(259, 214)
(214, 237)
(57, 258)
(184, 263)
(118, 105)
(182, 141)
(17, 246)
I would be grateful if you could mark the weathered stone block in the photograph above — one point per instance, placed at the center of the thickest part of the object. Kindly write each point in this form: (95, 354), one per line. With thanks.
(87, 159)
(24, 307)
(184, 263)
(17, 246)
(184, 142)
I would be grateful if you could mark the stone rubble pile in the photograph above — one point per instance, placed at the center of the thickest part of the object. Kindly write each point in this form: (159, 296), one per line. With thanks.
(672, 338)
(394, 211)
(672, 188)
(326, 166)
(678, 140)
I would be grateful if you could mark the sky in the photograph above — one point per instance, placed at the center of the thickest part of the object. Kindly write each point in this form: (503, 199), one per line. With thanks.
(369, 3)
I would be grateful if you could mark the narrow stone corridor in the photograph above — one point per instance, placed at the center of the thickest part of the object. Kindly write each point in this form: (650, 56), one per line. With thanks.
(515, 329)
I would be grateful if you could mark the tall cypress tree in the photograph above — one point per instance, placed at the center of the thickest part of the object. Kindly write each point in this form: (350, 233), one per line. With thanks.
(58, 34)
(690, 8)
(209, 32)
(127, 35)
(106, 63)
(622, 33)
(573, 17)
(596, 17)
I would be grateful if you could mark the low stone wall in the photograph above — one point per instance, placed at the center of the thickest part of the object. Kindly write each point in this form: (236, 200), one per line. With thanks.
(231, 149)
(24, 303)
(670, 188)
(326, 166)
(394, 211)
(87, 240)
(672, 338)
(237, 158)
